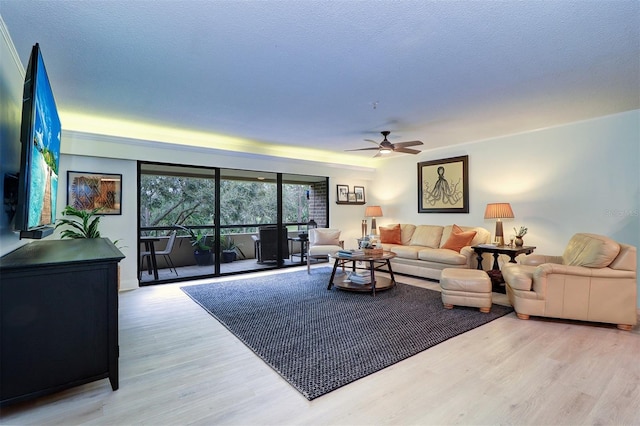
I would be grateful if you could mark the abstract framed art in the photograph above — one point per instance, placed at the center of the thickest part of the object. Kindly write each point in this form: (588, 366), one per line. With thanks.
(88, 191)
(443, 185)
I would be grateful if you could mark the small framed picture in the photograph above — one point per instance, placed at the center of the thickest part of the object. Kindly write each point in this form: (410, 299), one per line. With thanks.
(352, 197)
(359, 191)
(87, 191)
(343, 193)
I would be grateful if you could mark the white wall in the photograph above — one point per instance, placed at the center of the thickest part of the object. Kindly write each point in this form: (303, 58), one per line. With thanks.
(120, 228)
(581, 177)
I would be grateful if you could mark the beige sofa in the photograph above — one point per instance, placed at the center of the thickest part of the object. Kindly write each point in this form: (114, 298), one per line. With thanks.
(419, 251)
(594, 280)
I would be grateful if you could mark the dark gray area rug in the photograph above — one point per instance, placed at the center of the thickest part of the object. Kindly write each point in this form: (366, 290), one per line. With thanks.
(320, 340)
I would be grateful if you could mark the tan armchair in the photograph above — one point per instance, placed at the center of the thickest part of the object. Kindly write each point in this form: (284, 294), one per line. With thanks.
(322, 243)
(594, 280)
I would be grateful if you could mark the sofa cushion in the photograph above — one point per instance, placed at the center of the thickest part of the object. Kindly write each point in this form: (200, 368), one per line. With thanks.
(447, 257)
(406, 252)
(391, 234)
(407, 230)
(590, 250)
(427, 236)
(458, 239)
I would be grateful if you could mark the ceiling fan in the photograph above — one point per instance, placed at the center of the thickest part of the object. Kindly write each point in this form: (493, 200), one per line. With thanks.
(386, 147)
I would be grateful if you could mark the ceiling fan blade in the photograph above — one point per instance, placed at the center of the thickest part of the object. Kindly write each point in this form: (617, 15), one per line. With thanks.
(362, 149)
(378, 154)
(407, 144)
(370, 140)
(407, 150)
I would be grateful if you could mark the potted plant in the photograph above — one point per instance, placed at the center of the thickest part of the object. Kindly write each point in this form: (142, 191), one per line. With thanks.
(519, 234)
(229, 249)
(202, 251)
(82, 223)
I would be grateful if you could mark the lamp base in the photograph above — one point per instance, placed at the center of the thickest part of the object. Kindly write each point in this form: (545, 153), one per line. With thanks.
(499, 240)
(374, 230)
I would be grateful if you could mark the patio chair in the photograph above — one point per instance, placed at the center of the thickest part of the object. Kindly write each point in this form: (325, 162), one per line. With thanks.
(166, 253)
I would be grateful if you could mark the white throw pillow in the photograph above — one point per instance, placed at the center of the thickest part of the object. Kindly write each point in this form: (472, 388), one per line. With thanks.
(327, 237)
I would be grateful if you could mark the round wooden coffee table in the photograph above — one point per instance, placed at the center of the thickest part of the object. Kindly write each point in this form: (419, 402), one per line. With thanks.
(375, 261)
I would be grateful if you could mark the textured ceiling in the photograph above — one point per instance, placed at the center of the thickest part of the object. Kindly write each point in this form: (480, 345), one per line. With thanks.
(331, 74)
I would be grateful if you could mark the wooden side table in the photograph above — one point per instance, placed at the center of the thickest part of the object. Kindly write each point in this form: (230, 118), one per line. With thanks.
(304, 242)
(495, 274)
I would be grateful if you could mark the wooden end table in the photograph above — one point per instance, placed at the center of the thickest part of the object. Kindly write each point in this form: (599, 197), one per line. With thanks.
(511, 251)
(376, 261)
(303, 248)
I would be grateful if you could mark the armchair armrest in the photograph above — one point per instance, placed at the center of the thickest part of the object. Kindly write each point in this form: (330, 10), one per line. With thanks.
(518, 277)
(550, 274)
(580, 271)
(539, 259)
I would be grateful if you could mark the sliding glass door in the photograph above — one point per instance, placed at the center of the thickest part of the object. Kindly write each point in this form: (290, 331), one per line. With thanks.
(181, 199)
(226, 221)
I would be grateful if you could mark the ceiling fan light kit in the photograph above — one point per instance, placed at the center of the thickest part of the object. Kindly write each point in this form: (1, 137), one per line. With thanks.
(386, 147)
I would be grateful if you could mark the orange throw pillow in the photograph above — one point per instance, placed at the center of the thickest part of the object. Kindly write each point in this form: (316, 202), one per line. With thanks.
(391, 235)
(458, 239)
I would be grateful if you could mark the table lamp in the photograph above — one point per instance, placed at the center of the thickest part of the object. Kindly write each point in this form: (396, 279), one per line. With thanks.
(373, 212)
(499, 211)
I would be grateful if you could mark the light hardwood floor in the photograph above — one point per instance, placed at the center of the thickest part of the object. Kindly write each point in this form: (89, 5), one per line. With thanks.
(179, 366)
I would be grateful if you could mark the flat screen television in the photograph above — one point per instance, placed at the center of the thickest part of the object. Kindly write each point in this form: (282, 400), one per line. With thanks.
(40, 154)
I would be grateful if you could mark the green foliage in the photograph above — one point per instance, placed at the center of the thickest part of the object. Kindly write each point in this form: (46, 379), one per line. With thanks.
(82, 224)
(187, 200)
(165, 200)
(198, 238)
(50, 159)
(228, 244)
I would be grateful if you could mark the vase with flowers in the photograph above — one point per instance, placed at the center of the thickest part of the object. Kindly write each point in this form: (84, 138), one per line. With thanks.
(519, 234)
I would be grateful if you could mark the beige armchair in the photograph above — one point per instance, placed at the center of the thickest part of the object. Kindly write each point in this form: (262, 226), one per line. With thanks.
(322, 243)
(594, 280)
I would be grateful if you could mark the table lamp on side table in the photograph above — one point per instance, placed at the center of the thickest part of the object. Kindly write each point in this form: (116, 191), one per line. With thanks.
(499, 211)
(373, 212)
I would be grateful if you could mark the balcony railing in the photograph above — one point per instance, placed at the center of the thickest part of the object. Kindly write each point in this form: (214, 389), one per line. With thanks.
(182, 253)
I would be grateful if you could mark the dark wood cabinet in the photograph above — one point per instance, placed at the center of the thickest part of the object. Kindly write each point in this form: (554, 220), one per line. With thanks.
(58, 317)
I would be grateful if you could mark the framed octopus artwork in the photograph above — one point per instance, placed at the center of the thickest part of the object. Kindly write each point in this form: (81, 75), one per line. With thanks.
(443, 185)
